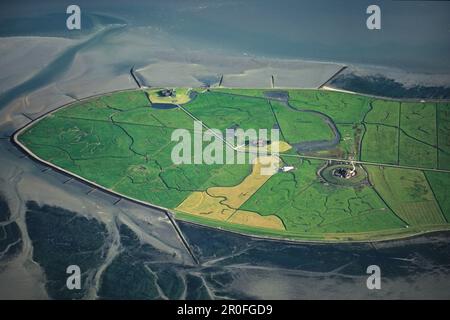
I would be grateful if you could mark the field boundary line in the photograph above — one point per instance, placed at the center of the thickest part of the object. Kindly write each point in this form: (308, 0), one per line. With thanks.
(435, 198)
(437, 135)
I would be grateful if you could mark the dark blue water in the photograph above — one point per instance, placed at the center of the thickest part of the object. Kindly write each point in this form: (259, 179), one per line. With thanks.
(414, 35)
(164, 106)
(52, 24)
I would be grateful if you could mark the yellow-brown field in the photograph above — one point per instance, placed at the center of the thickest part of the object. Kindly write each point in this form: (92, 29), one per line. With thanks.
(222, 203)
(254, 219)
(275, 146)
(201, 203)
(422, 212)
(235, 196)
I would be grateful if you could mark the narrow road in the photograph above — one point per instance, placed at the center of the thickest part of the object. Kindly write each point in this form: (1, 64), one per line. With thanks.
(366, 163)
(207, 128)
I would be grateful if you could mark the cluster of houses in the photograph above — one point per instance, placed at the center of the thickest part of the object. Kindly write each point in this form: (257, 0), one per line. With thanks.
(167, 92)
(344, 173)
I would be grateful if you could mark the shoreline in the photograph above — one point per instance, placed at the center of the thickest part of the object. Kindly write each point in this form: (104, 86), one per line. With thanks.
(422, 100)
(173, 215)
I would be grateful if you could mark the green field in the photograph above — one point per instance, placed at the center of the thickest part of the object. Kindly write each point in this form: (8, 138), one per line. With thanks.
(377, 150)
(384, 112)
(341, 107)
(382, 124)
(443, 127)
(440, 184)
(300, 126)
(418, 137)
(411, 130)
(122, 143)
(408, 193)
(245, 92)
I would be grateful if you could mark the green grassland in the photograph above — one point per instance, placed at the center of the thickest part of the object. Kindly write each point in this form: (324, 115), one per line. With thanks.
(418, 138)
(223, 111)
(416, 153)
(384, 112)
(443, 127)
(440, 185)
(408, 193)
(350, 144)
(376, 149)
(341, 107)
(419, 121)
(121, 142)
(134, 157)
(412, 132)
(308, 205)
(382, 124)
(245, 92)
(300, 126)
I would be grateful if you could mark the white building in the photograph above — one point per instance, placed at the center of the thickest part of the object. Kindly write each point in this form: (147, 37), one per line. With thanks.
(286, 168)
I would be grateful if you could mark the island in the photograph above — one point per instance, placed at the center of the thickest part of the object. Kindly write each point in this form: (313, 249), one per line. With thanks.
(349, 167)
